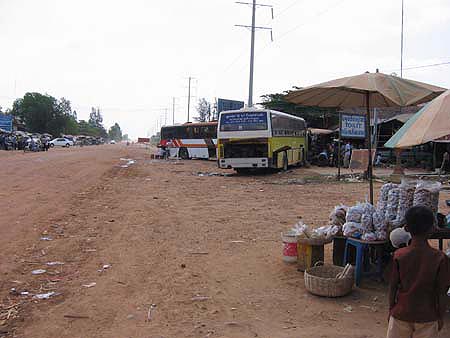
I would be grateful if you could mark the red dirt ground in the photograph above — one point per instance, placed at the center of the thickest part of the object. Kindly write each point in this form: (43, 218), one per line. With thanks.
(170, 238)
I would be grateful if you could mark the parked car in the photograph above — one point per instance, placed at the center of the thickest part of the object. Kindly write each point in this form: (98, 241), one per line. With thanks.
(61, 142)
(112, 142)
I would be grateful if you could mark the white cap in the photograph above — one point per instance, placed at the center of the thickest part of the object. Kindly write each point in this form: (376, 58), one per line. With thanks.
(399, 236)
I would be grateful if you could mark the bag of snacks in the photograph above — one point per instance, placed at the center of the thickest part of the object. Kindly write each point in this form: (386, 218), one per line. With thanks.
(381, 235)
(383, 197)
(406, 199)
(367, 216)
(427, 194)
(301, 230)
(392, 205)
(369, 236)
(355, 213)
(378, 221)
(337, 216)
(353, 229)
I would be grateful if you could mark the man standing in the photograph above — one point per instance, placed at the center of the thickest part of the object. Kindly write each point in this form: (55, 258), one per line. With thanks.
(347, 154)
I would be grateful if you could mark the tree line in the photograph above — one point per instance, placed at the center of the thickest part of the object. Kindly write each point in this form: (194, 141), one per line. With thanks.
(43, 113)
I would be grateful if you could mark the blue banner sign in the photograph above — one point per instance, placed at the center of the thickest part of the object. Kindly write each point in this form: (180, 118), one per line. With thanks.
(224, 105)
(6, 122)
(244, 121)
(353, 126)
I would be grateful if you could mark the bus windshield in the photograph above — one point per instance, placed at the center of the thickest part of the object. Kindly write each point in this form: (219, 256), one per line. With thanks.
(243, 121)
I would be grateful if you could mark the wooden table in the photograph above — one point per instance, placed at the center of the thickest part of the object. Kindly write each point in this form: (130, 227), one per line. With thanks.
(440, 234)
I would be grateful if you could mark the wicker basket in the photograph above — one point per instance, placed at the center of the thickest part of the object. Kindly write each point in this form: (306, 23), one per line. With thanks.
(321, 280)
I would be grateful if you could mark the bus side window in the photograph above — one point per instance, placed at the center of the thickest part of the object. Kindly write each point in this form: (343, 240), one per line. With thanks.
(207, 132)
(196, 132)
(203, 132)
(189, 132)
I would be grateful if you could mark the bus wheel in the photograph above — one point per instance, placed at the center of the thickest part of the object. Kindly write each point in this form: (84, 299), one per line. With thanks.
(183, 153)
(285, 161)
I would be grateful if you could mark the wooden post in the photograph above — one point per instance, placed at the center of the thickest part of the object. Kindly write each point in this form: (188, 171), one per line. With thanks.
(339, 147)
(398, 170)
(369, 146)
(434, 156)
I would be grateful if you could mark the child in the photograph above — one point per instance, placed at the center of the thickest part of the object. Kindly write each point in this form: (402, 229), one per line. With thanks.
(419, 282)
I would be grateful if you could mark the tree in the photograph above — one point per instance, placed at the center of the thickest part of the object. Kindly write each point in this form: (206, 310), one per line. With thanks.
(314, 116)
(125, 137)
(96, 122)
(85, 128)
(203, 110)
(96, 118)
(44, 113)
(64, 106)
(72, 127)
(115, 133)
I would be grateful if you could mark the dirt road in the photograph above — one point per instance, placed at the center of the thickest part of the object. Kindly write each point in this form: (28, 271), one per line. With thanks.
(171, 253)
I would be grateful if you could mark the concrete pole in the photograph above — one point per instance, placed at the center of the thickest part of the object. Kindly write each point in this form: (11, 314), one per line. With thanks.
(189, 98)
(252, 56)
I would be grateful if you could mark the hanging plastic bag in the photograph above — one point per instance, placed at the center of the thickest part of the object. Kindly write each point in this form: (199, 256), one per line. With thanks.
(383, 197)
(367, 217)
(392, 205)
(355, 213)
(427, 194)
(378, 221)
(406, 199)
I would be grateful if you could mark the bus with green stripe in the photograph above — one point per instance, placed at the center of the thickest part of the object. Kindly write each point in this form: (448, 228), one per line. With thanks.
(252, 138)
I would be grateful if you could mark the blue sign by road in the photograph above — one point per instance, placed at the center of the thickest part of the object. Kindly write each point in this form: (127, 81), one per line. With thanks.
(353, 126)
(223, 105)
(6, 122)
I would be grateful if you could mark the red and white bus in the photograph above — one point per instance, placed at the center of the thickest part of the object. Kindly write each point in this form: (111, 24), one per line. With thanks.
(190, 140)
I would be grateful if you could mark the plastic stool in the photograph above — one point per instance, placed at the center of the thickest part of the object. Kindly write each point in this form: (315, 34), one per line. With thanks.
(361, 248)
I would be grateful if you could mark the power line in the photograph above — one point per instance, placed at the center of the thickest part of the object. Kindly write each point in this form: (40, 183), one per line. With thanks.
(423, 66)
(306, 23)
(284, 10)
(253, 28)
(263, 48)
(283, 35)
(275, 17)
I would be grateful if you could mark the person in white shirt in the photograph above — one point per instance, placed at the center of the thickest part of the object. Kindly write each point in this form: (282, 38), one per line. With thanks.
(347, 154)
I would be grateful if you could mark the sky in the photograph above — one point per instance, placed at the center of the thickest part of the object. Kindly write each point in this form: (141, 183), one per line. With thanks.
(131, 58)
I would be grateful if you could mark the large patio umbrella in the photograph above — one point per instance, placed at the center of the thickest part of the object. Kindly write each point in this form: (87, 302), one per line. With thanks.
(370, 90)
(431, 123)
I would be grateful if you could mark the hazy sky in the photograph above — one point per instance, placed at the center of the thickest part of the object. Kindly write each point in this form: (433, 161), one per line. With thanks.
(131, 57)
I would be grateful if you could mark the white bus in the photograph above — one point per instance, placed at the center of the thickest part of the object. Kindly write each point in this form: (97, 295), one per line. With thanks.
(190, 140)
(260, 138)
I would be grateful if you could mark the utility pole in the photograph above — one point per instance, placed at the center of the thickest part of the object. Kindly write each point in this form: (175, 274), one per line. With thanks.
(401, 45)
(165, 116)
(173, 110)
(189, 98)
(252, 56)
(252, 44)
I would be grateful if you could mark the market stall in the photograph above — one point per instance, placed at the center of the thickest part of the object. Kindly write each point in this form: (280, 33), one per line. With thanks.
(368, 90)
(361, 232)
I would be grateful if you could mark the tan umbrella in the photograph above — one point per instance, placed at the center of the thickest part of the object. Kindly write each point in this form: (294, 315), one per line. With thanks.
(366, 90)
(431, 123)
